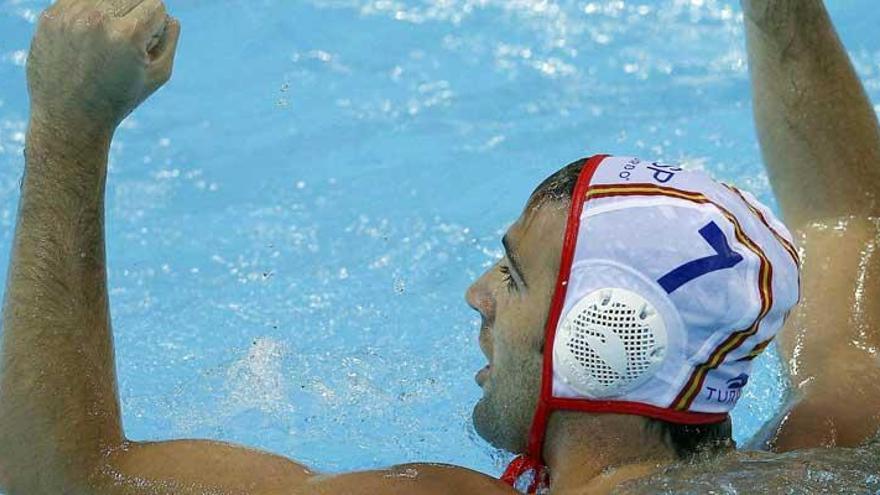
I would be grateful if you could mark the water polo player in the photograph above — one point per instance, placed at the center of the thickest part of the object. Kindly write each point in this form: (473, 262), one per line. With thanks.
(620, 326)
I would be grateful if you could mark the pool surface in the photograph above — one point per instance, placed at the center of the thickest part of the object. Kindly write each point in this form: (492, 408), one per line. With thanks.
(294, 219)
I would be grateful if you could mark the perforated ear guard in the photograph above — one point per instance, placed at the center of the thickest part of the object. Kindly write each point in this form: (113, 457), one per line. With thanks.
(610, 342)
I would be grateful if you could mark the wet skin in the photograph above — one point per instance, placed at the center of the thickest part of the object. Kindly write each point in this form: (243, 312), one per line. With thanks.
(93, 62)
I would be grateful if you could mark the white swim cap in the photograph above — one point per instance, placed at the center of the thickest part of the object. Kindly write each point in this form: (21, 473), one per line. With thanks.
(670, 285)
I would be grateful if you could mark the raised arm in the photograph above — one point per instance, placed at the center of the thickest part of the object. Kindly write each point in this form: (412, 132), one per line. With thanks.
(821, 146)
(59, 411)
(91, 63)
(818, 130)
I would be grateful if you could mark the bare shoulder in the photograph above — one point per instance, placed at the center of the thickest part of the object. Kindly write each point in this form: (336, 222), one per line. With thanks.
(195, 467)
(831, 340)
(190, 467)
(409, 479)
(839, 304)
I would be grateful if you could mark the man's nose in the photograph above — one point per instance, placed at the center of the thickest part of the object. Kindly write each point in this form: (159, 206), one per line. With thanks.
(480, 298)
(471, 296)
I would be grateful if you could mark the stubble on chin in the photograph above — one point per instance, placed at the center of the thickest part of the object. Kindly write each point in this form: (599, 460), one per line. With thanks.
(502, 426)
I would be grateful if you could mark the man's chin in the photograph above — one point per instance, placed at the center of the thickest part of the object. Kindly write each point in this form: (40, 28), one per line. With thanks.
(480, 417)
(490, 427)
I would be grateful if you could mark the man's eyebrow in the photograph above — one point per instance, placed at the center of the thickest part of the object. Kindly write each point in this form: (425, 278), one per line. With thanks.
(514, 259)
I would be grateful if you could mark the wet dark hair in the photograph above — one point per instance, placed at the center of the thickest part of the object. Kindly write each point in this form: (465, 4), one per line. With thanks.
(560, 185)
(687, 441)
(691, 441)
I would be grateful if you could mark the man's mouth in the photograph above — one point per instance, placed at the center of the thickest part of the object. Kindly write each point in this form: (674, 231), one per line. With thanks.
(486, 347)
(483, 375)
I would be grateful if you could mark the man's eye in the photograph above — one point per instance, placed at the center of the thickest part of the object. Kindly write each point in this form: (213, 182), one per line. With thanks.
(508, 277)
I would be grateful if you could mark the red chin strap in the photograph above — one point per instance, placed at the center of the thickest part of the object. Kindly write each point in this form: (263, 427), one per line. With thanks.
(533, 459)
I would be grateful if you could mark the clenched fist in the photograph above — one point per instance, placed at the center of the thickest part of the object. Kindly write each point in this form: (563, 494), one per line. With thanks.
(92, 62)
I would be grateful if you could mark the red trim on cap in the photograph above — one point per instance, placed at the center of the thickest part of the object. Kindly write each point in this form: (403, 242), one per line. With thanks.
(638, 409)
(516, 468)
(542, 413)
(533, 459)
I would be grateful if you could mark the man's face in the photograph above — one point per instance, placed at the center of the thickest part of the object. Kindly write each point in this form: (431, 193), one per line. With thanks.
(513, 298)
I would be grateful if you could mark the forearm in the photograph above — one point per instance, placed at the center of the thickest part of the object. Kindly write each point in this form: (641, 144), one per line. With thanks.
(58, 403)
(818, 131)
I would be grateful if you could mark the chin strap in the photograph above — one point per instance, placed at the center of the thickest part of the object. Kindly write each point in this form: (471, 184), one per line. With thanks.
(522, 465)
(532, 461)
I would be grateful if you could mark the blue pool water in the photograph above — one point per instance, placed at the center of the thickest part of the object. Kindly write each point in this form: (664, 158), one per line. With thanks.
(293, 220)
